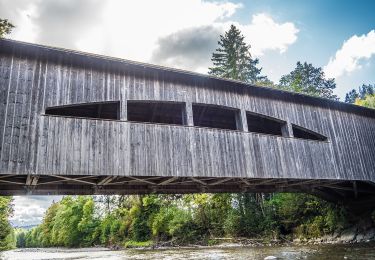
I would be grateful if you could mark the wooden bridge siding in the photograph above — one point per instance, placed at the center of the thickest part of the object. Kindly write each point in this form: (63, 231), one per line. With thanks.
(162, 150)
(31, 85)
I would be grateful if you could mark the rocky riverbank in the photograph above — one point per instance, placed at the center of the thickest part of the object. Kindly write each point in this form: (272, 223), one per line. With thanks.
(350, 235)
(355, 234)
(347, 236)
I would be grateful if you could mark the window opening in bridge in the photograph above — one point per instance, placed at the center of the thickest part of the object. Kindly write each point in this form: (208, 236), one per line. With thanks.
(265, 125)
(303, 133)
(156, 112)
(97, 110)
(216, 117)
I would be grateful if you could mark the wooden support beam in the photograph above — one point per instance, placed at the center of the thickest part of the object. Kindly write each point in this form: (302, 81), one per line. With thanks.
(371, 191)
(167, 181)
(142, 180)
(287, 130)
(242, 116)
(28, 180)
(13, 182)
(62, 180)
(298, 183)
(74, 180)
(106, 180)
(219, 181)
(32, 180)
(245, 181)
(265, 182)
(198, 181)
(189, 114)
(6, 176)
(257, 183)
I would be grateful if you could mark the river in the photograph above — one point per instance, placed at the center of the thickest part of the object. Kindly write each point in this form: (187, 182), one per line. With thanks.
(331, 252)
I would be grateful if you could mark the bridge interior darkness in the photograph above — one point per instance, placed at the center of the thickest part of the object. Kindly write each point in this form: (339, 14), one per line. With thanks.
(174, 113)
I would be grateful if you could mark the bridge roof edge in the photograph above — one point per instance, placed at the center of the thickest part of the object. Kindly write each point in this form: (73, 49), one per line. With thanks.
(9, 46)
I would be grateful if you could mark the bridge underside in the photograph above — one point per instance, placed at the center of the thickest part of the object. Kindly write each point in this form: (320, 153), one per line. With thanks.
(331, 190)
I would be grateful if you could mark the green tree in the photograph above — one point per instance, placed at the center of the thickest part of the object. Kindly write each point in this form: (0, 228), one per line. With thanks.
(233, 60)
(70, 222)
(7, 238)
(21, 239)
(351, 96)
(5, 27)
(265, 82)
(305, 215)
(307, 79)
(368, 101)
(363, 91)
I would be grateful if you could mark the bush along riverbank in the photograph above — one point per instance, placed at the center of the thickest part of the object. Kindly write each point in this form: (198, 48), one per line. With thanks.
(199, 219)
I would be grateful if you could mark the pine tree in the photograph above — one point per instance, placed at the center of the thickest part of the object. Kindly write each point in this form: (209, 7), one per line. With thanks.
(233, 60)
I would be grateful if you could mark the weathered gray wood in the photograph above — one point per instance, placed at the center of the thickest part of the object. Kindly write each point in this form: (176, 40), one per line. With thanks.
(46, 145)
(244, 126)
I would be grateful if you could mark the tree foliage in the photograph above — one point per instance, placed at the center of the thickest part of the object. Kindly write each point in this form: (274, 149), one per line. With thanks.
(233, 60)
(7, 237)
(367, 101)
(182, 219)
(307, 79)
(363, 91)
(5, 27)
(365, 96)
(70, 222)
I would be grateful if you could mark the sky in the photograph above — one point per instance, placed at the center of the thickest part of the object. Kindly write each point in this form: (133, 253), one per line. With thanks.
(337, 35)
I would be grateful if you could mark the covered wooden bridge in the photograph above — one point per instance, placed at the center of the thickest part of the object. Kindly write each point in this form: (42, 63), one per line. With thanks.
(78, 123)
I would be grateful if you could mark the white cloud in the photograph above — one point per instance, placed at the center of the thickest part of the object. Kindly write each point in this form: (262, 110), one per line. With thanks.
(140, 30)
(29, 210)
(263, 33)
(349, 57)
(20, 13)
(131, 29)
(191, 48)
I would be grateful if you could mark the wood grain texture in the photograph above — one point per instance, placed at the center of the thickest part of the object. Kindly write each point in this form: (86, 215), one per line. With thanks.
(47, 145)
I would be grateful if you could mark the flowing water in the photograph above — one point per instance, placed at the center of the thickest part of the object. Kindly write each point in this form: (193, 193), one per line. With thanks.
(331, 252)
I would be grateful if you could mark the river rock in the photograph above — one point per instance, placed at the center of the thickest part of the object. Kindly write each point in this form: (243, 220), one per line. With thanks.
(370, 234)
(360, 237)
(348, 235)
(271, 257)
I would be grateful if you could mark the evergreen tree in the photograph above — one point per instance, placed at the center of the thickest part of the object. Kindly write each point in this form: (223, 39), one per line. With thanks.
(351, 96)
(233, 60)
(5, 27)
(363, 91)
(307, 79)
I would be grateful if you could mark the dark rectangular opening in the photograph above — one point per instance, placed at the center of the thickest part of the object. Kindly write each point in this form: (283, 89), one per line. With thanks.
(303, 133)
(156, 112)
(100, 110)
(265, 125)
(216, 117)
